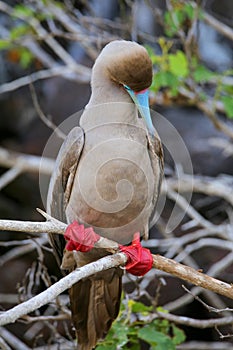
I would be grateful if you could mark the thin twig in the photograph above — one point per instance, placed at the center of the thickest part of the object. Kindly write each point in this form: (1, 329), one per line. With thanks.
(42, 116)
(12, 340)
(58, 70)
(203, 345)
(208, 307)
(59, 287)
(60, 317)
(219, 26)
(26, 162)
(196, 323)
(161, 263)
(9, 176)
(219, 186)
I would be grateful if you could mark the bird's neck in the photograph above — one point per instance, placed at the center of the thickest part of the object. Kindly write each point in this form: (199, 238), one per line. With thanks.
(105, 90)
(109, 113)
(108, 103)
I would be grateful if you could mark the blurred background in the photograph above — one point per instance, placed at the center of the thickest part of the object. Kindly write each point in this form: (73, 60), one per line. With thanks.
(47, 49)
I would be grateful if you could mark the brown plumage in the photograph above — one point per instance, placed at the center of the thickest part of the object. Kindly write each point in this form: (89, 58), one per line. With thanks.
(108, 174)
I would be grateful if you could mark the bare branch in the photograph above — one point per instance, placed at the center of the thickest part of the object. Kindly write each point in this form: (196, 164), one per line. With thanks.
(7, 298)
(196, 323)
(209, 108)
(219, 26)
(201, 345)
(42, 116)
(208, 307)
(21, 250)
(191, 275)
(220, 186)
(26, 162)
(60, 317)
(161, 263)
(50, 41)
(32, 226)
(9, 176)
(59, 287)
(225, 145)
(12, 340)
(58, 70)
(182, 202)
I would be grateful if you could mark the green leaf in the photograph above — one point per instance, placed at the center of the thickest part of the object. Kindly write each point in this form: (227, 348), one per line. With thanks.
(19, 31)
(117, 337)
(228, 105)
(178, 64)
(26, 58)
(105, 347)
(189, 10)
(170, 28)
(22, 11)
(178, 16)
(161, 309)
(174, 92)
(139, 307)
(202, 74)
(121, 332)
(164, 79)
(4, 44)
(158, 340)
(162, 325)
(125, 333)
(156, 59)
(149, 334)
(228, 89)
(178, 335)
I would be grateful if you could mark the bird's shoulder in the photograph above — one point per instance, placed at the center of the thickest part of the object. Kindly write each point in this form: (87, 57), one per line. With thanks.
(156, 149)
(157, 163)
(64, 171)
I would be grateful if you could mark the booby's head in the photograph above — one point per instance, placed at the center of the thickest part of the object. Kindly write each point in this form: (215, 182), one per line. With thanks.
(128, 65)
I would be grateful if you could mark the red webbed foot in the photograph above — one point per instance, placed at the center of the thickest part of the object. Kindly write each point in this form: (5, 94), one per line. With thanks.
(80, 238)
(140, 259)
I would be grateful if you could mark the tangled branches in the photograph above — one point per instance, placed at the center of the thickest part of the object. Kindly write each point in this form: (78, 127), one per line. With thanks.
(197, 234)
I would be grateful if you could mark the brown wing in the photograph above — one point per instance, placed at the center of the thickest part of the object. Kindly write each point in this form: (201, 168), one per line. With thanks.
(61, 183)
(157, 162)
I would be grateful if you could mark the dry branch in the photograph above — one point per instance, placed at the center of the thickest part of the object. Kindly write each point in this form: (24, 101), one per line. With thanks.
(59, 287)
(201, 345)
(218, 26)
(58, 70)
(196, 323)
(183, 272)
(191, 275)
(26, 162)
(42, 116)
(9, 176)
(12, 340)
(32, 226)
(220, 186)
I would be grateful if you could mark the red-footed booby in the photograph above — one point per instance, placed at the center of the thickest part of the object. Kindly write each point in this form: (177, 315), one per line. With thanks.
(107, 175)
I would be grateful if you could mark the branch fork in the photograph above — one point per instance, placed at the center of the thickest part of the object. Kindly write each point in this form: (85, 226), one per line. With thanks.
(55, 226)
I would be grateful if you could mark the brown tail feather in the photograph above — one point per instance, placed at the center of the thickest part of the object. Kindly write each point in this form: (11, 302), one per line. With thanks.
(95, 304)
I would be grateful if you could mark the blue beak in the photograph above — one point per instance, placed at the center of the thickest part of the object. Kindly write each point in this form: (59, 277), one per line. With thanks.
(141, 100)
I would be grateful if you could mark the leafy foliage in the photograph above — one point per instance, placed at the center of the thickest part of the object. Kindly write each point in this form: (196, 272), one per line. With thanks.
(179, 70)
(20, 31)
(175, 20)
(136, 324)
